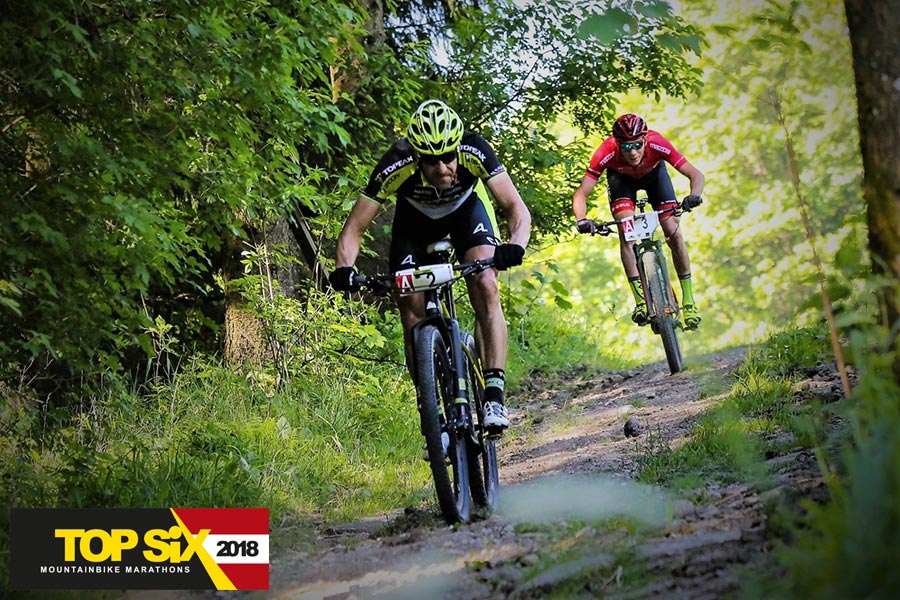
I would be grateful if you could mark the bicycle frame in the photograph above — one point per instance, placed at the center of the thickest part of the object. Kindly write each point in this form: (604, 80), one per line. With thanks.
(654, 246)
(449, 384)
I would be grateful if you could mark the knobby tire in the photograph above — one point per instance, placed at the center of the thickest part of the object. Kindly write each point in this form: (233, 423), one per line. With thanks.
(665, 322)
(484, 478)
(434, 381)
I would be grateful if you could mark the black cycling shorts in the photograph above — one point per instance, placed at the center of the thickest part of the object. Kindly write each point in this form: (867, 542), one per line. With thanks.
(472, 224)
(656, 183)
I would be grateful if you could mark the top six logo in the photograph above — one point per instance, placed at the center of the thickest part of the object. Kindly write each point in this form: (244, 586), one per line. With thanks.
(183, 548)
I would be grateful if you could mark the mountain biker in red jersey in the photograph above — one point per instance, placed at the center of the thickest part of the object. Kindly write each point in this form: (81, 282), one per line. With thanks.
(438, 174)
(634, 159)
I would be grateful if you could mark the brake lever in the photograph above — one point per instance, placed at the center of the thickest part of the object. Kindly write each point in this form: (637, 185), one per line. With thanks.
(379, 288)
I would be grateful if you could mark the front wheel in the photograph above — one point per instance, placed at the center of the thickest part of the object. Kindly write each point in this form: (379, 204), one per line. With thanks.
(434, 382)
(663, 312)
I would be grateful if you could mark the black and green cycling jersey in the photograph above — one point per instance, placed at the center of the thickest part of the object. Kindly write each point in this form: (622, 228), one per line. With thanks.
(398, 174)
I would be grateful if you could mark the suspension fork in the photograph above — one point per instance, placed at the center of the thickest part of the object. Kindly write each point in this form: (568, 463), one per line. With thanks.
(656, 247)
(640, 249)
(450, 331)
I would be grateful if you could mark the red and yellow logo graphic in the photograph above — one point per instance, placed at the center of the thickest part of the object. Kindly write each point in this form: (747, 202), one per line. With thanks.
(178, 548)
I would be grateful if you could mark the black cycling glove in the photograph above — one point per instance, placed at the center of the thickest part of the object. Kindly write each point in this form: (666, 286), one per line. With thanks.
(691, 202)
(508, 255)
(342, 279)
(586, 226)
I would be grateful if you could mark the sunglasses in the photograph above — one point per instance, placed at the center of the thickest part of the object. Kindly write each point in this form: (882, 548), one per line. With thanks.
(629, 146)
(433, 159)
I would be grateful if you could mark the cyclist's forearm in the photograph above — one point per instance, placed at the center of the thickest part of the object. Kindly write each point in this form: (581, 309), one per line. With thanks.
(579, 198)
(349, 240)
(520, 226)
(517, 214)
(695, 176)
(347, 251)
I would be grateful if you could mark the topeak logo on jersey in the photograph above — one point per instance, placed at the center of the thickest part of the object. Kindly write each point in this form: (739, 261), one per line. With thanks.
(473, 151)
(659, 148)
(607, 158)
(480, 228)
(397, 165)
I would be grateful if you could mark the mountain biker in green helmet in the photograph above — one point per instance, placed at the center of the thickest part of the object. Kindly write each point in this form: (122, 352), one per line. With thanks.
(440, 174)
(634, 159)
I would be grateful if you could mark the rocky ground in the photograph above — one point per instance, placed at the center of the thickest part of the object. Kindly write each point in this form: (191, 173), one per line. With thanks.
(573, 522)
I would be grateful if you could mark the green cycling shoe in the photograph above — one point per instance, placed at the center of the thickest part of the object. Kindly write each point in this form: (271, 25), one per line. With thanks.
(692, 317)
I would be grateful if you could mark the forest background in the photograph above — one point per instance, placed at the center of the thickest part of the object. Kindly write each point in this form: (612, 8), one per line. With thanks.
(176, 174)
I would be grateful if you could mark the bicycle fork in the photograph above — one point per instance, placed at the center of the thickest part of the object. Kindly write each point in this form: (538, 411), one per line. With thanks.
(461, 385)
(461, 413)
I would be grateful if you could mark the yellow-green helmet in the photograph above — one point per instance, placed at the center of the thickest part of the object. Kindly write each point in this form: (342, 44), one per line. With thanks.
(434, 128)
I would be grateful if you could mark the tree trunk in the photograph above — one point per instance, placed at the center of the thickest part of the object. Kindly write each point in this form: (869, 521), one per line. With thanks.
(245, 342)
(876, 63)
(245, 338)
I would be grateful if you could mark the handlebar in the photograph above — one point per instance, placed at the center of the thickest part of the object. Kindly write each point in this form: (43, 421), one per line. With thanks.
(382, 283)
(605, 228)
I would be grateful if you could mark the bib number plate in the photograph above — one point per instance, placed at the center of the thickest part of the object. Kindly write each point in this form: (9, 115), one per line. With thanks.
(420, 279)
(640, 227)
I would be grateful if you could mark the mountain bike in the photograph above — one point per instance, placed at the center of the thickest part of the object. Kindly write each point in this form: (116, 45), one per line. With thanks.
(663, 310)
(449, 386)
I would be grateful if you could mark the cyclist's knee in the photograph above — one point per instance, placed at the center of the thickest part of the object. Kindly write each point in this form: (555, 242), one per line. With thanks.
(410, 314)
(672, 231)
(485, 284)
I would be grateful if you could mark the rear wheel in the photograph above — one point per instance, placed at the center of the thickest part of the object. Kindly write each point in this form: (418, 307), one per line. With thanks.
(484, 477)
(664, 314)
(434, 380)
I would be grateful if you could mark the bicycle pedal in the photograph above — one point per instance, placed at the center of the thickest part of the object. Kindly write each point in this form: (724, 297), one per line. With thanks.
(491, 433)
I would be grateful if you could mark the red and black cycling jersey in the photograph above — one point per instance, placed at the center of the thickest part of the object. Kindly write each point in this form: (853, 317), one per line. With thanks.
(657, 149)
(398, 174)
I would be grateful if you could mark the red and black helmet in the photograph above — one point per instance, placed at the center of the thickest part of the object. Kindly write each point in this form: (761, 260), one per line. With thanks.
(629, 127)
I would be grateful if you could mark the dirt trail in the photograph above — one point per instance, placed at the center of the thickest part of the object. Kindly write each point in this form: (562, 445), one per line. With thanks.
(567, 459)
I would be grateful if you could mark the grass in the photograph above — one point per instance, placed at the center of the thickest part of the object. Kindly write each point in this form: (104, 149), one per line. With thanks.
(728, 442)
(337, 438)
(328, 433)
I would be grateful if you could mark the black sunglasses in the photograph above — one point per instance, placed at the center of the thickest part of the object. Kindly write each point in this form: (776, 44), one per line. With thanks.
(433, 159)
(628, 146)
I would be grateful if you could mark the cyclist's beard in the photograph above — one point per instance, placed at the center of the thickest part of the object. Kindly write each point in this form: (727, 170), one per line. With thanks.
(443, 181)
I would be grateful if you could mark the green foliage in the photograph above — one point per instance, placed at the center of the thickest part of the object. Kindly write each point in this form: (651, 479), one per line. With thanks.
(516, 98)
(140, 140)
(846, 548)
(544, 334)
(719, 450)
(143, 139)
(781, 65)
(785, 352)
(751, 262)
(329, 436)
